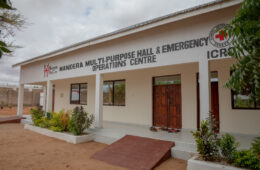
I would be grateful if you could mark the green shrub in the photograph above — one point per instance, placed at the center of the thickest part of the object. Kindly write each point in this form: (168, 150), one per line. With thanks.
(55, 122)
(65, 117)
(56, 128)
(246, 159)
(37, 115)
(2, 103)
(209, 145)
(58, 121)
(207, 140)
(228, 147)
(49, 115)
(43, 122)
(10, 106)
(79, 121)
(256, 147)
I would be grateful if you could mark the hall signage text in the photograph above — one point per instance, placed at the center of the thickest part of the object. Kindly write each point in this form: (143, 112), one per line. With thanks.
(144, 56)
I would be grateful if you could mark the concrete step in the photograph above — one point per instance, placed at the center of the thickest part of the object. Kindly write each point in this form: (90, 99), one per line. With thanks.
(183, 152)
(185, 145)
(104, 139)
(27, 121)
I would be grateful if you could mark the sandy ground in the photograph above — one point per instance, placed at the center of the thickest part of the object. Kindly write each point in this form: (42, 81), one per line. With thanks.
(24, 149)
(13, 111)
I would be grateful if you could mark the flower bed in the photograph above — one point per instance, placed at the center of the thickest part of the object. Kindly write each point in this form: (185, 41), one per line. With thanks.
(68, 126)
(218, 152)
(61, 135)
(195, 164)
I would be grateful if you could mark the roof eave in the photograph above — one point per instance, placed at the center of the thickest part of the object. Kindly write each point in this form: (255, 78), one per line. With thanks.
(137, 28)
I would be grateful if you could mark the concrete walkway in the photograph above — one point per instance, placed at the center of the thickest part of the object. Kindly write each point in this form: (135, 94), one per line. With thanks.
(184, 148)
(185, 145)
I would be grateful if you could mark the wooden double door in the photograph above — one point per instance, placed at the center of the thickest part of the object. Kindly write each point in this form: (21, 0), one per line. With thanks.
(167, 106)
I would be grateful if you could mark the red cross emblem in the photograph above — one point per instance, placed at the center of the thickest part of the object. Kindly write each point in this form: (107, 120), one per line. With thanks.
(46, 70)
(221, 36)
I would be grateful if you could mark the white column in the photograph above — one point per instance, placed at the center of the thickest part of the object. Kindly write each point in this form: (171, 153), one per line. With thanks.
(204, 88)
(20, 100)
(99, 101)
(44, 98)
(49, 97)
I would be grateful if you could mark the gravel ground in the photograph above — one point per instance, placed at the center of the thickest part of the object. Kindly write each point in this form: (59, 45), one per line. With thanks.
(23, 149)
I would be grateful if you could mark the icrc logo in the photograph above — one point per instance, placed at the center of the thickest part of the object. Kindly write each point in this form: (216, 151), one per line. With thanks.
(49, 70)
(218, 37)
(46, 70)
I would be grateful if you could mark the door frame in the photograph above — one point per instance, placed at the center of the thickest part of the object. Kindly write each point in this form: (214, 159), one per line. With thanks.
(153, 84)
(198, 100)
(53, 97)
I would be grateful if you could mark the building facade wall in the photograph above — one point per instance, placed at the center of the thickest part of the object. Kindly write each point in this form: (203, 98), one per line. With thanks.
(138, 109)
(62, 93)
(184, 30)
(139, 97)
(245, 121)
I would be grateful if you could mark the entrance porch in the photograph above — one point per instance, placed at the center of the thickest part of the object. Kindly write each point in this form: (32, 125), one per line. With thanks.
(194, 97)
(184, 147)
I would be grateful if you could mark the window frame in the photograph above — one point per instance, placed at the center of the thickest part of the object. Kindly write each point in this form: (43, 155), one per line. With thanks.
(153, 79)
(78, 101)
(113, 93)
(240, 108)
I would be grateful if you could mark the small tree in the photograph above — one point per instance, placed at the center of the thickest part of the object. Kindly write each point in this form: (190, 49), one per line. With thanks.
(207, 140)
(245, 28)
(79, 121)
(256, 147)
(228, 147)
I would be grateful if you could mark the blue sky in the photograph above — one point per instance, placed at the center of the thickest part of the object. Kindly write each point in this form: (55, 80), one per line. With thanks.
(54, 24)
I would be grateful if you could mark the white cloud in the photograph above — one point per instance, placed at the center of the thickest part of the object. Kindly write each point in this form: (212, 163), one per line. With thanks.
(58, 23)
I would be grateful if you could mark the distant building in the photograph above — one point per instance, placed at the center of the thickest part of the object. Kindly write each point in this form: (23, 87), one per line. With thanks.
(9, 95)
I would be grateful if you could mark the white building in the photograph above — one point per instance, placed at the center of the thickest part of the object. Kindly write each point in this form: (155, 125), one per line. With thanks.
(167, 72)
